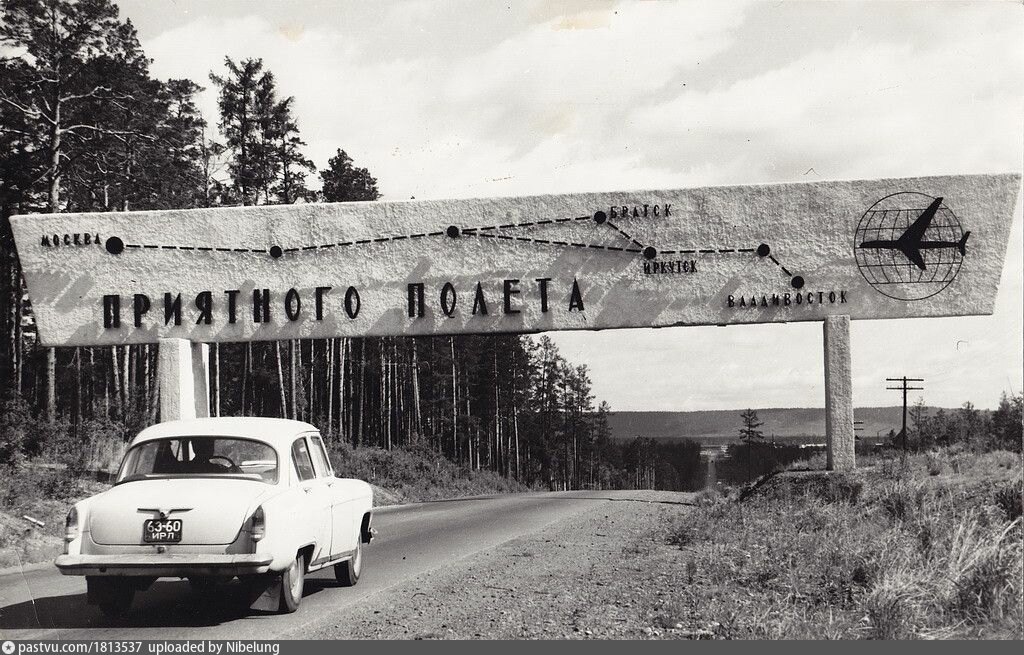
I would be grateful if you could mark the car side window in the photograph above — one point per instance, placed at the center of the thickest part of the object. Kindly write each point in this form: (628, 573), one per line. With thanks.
(323, 464)
(303, 463)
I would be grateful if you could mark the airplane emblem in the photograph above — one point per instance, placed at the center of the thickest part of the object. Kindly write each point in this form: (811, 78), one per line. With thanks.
(912, 242)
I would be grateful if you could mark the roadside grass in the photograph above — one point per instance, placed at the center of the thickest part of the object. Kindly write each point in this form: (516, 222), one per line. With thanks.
(927, 547)
(46, 495)
(416, 474)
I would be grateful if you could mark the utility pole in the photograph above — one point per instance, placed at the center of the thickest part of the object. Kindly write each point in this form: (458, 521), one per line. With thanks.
(904, 387)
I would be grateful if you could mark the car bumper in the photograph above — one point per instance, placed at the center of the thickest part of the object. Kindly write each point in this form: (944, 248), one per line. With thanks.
(164, 565)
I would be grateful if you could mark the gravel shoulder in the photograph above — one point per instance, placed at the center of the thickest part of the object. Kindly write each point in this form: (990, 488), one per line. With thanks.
(601, 574)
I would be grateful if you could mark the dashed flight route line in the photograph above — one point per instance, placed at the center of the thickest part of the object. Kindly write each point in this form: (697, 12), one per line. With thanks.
(115, 245)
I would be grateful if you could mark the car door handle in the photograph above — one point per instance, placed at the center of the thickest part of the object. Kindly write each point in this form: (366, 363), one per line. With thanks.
(330, 484)
(308, 490)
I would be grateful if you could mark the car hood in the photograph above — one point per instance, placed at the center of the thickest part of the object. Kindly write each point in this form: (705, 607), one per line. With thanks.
(211, 510)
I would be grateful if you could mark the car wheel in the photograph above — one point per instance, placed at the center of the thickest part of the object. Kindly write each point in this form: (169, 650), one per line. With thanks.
(113, 596)
(347, 573)
(292, 582)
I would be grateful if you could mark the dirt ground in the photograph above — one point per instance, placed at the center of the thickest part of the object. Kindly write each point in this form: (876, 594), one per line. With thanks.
(600, 575)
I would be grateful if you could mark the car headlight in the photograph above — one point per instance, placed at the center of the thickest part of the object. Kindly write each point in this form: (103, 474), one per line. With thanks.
(258, 529)
(71, 531)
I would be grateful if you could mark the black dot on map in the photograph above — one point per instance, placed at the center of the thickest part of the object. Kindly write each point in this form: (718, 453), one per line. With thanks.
(115, 246)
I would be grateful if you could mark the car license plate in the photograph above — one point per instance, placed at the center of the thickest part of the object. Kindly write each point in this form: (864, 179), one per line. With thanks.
(161, 531)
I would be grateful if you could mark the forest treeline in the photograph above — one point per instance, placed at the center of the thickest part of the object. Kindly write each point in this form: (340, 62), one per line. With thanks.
(85, 127)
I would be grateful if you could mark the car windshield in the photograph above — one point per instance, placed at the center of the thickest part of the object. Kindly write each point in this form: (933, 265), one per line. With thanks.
(200, 456)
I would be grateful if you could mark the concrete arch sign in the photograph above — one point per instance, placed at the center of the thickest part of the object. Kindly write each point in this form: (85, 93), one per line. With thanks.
(890, 248)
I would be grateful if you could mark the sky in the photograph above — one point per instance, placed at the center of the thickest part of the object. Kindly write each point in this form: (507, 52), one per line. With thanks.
(473, 98)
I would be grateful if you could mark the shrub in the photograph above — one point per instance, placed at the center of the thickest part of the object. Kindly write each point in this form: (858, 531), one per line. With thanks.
(983, 571)
(936, 463)
(893, 605)
(16, 425)
(1010, 500)
(901, 500)
(842, 489)
(417, 473)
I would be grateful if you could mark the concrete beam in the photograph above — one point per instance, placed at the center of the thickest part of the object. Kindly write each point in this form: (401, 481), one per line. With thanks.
(183, 379)
(839, 432)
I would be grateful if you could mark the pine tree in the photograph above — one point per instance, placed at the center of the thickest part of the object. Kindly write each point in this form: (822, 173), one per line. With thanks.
(53, 81)
(294, 165)
(241, 123)
(343, 182)
(750, 435)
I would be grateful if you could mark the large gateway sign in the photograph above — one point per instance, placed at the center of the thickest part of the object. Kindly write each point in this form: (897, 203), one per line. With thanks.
(894, 248)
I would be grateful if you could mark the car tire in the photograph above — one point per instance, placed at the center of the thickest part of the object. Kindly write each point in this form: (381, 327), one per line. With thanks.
(113, 596)
(347, 573)
(292, 584)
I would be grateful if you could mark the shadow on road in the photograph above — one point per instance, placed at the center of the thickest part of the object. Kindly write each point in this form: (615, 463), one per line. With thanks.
(165, 604)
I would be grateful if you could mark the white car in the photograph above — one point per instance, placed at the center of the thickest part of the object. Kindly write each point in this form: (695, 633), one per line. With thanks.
(211, 499)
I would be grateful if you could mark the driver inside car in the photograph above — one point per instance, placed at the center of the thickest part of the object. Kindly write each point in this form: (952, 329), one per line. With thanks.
(204, 460)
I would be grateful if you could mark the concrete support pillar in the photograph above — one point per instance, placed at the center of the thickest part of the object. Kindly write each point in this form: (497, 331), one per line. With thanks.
(182, 370)
(839, 433)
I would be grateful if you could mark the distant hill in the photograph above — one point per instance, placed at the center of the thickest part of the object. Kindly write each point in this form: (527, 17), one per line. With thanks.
(725, 424)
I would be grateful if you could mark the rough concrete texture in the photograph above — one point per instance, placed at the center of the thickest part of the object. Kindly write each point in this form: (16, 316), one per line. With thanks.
(706, 255)
(839, 433)
(182, 372)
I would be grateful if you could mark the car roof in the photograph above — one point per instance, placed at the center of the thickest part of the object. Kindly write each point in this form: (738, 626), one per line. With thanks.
(278, 432)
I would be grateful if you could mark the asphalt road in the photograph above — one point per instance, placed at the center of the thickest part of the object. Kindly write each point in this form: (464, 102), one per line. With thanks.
(412, 540)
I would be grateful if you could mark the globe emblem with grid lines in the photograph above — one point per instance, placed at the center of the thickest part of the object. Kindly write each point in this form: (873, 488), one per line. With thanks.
(909, 246)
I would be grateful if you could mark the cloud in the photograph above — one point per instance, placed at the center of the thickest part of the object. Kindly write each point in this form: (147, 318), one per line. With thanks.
(536, 104)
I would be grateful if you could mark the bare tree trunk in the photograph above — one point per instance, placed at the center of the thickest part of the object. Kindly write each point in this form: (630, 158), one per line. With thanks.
(396, 385)
(496, 464)
(115, 372)
(146, 390)
(131, 354)
(106, 394)
(311, 397)
(343, 413)
(385, 389)
(216, 379)
(92, 382)
(16, 351)
(330, 386)
(455, 403)
(125, 392)
(280, 380)
(154, 397)
(515, 430)
(416, 408)
(246, 367)
(362, 391)
(76, 410)
(51, 385)
(293, 378)
(53, 203)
